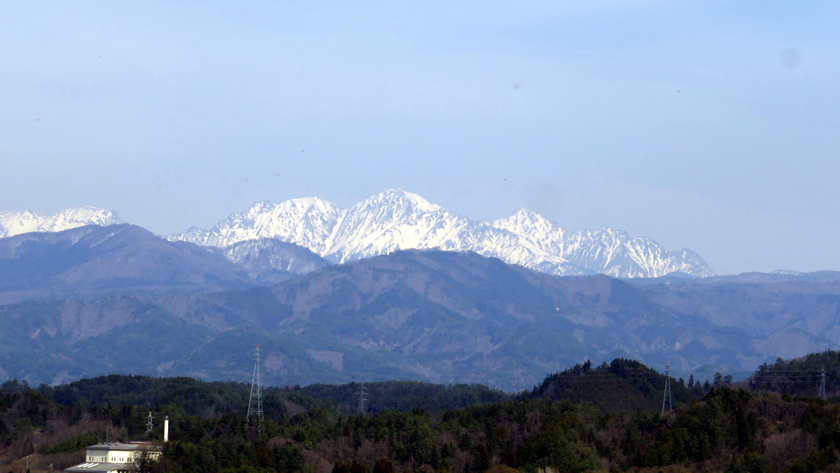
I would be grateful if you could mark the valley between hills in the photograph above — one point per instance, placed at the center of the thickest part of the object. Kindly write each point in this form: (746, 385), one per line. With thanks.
(96, 300)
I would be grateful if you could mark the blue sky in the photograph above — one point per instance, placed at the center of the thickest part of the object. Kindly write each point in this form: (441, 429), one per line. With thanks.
(708, 125)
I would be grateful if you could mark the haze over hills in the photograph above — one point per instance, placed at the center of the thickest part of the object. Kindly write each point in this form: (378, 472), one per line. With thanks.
(395, 220)
(96, 300)
(421, 315)
(94, 261)
(788, 314)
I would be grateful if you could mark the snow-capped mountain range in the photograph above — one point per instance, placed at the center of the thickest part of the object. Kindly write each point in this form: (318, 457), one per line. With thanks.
(398, 220)
(15, 223)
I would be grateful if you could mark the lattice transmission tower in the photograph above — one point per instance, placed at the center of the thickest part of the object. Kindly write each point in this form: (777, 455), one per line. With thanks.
(150, 423)
(255, 404)
(667, 402)
(822, 383)
(361, 398)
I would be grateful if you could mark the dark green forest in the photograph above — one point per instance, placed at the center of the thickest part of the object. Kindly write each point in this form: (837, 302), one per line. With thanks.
(606, 417)
(799, 376)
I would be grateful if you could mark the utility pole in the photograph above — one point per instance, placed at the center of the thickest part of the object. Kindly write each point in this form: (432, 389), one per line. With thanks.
(150, 424)
(255, 404)
(361, 399)
(822, 383)
(666, 398)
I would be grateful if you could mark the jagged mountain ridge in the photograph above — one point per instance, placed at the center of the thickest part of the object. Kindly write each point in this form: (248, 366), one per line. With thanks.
(399, 220)
(16, 223)
(269, 260)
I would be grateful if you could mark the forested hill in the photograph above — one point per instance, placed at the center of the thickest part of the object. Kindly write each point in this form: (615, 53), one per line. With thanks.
(216, 398)
(727, 430)
(405, 395)
(621, 386)
(801, 376)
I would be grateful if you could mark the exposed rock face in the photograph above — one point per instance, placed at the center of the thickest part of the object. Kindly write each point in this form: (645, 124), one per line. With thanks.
(438, 316)
(269, 260)
(398, 220)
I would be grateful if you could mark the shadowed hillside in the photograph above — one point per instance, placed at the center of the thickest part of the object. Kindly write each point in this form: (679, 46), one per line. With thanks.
(621, 386)
(435, 316)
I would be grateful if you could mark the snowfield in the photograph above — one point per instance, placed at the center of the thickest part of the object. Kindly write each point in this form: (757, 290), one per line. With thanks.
(397, 220)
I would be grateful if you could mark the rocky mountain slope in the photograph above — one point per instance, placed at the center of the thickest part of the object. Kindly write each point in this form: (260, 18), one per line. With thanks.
(395, 220)
(423, 315)
(15, 223)
(783, 314)
(269, 260)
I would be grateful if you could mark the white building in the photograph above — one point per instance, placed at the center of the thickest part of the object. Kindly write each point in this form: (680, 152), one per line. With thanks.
(117, 457)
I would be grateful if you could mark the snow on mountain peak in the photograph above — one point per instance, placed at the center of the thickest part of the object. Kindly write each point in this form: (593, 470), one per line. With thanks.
(396, 219)
(399, 198)
(387, 222)
(15, 223)
(259, 207)
(524, 221)
(306, 221)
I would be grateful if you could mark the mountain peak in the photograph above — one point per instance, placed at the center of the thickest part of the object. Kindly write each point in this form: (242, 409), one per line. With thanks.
(398, 220)
(526, 215)
(400, 197)
(525, 222)
(259, 207)
(264, 206)
(15, 223)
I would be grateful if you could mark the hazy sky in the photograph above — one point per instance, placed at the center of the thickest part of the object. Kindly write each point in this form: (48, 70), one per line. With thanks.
(710, 125)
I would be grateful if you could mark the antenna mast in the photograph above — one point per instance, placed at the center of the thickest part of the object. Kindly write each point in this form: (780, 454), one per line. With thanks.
(362, 399)
(150, 423)
(666, 398)
(822, 383)
(255, 404)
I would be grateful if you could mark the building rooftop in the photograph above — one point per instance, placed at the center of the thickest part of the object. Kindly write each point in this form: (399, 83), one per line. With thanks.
(124, 446)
